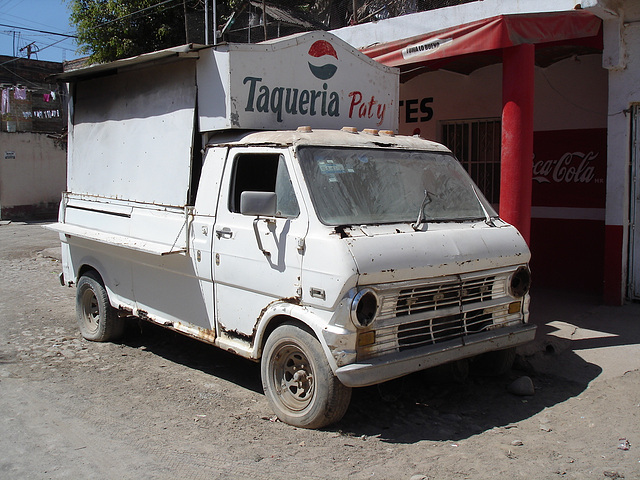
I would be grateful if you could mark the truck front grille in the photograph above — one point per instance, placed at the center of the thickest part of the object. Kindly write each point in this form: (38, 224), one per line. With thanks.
(441, 329)
(417, 315)
(429, 298)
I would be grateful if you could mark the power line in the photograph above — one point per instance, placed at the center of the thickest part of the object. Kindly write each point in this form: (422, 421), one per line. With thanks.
(159, 4)
(39, 31)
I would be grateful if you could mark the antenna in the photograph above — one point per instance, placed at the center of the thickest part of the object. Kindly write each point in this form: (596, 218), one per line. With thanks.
(31, 48)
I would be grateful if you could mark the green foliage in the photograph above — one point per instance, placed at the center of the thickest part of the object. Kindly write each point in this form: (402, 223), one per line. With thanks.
(111, 29)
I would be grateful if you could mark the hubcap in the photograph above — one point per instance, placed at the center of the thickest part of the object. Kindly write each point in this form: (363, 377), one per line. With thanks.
(91, 310)
(293, 377)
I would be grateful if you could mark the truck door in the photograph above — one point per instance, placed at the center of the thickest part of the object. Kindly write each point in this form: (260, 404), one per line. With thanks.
(257, 260)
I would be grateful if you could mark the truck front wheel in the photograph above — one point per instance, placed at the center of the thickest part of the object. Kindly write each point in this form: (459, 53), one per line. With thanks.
(97, 319)
(298, 381)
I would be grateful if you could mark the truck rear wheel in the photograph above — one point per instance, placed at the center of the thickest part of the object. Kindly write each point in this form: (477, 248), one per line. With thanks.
(97, 319)
(298, 381)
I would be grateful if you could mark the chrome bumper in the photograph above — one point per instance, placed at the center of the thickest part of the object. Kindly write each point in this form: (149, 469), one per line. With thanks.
(388, 367)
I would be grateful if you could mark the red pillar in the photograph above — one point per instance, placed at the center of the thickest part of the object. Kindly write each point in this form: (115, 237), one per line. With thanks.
(517, 136)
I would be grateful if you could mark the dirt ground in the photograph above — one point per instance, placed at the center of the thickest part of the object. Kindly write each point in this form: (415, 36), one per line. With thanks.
(161, 406)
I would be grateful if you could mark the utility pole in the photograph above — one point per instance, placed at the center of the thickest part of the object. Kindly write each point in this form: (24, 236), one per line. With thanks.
(215, 22)
(186, 24)
(264, 19)
(206, 22)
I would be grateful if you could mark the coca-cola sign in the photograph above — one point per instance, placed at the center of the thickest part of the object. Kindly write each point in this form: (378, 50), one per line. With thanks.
(569, 168)
(572, 167)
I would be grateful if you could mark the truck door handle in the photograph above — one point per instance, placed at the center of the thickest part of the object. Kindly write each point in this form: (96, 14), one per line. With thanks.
(224, 233)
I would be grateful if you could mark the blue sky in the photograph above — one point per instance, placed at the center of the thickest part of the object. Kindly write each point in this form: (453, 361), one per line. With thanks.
(44, 15)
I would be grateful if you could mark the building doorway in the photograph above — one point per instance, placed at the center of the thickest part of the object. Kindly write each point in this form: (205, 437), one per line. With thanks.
(634, 235)
(476, 144)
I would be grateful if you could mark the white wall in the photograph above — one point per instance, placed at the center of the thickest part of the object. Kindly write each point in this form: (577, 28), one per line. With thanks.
(624, 90)
(570, 94)
(622, 57)
(36, 176)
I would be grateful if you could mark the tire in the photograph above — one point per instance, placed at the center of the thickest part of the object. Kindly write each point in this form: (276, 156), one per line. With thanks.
(97, 319)
(493, 364)
(298, 381)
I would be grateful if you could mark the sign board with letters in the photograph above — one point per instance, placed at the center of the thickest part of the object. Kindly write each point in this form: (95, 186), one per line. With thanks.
(311, 79)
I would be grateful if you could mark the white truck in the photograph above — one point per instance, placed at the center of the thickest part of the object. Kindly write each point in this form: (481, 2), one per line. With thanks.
(199, 200)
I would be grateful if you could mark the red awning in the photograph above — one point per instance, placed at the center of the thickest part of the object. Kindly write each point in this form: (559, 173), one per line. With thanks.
(486, 35)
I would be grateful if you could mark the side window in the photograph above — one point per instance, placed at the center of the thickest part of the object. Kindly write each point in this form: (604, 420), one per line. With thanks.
(264, 172)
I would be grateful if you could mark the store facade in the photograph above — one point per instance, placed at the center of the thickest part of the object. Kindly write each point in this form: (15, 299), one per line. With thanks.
(524, 99)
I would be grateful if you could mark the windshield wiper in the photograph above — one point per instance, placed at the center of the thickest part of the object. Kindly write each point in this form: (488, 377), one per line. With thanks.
(425, 201)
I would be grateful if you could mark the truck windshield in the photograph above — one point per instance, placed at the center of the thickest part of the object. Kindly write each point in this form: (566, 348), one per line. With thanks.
(373, 186)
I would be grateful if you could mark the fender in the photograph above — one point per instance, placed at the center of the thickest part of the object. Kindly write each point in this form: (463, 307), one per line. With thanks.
(91, 261)
(322, 328)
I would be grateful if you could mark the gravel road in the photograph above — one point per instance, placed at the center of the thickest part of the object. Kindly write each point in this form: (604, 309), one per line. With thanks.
(158, 405)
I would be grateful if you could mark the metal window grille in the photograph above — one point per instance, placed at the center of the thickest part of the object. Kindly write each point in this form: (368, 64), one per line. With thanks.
(476, 144)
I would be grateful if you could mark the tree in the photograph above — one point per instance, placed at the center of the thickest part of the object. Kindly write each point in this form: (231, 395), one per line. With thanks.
(111, 29)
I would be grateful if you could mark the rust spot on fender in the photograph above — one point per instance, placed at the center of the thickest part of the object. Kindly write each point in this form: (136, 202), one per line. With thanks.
(125, 311)
(291, 300)
(340, 230)
(250, 338)
(190, 330)
(205, 334)
(237, 334)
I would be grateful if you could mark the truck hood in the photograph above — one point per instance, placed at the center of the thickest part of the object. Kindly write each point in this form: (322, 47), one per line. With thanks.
(391, 255)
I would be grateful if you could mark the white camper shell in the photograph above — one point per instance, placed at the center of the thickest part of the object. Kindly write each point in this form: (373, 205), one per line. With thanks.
(338, 258)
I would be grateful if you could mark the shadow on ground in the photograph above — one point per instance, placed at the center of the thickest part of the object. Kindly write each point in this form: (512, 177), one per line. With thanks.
(193, 354)
(422, 406)
(425, 406)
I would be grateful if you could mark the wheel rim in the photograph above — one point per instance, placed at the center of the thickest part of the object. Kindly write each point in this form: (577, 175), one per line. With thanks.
(90, 310)
(293, 377)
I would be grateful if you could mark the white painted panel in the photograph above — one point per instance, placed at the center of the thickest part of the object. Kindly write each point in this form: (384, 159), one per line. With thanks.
(214, 97)
(167, 289)
(133, 134)
(309, 79)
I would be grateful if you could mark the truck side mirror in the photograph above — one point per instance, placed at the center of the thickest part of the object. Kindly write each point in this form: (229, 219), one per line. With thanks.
(258, 203)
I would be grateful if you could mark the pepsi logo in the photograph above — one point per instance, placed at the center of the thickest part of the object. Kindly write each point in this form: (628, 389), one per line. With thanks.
(320, 64)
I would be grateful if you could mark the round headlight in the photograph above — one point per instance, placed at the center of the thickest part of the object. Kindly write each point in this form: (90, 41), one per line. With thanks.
(364, 307)
(520, 282)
